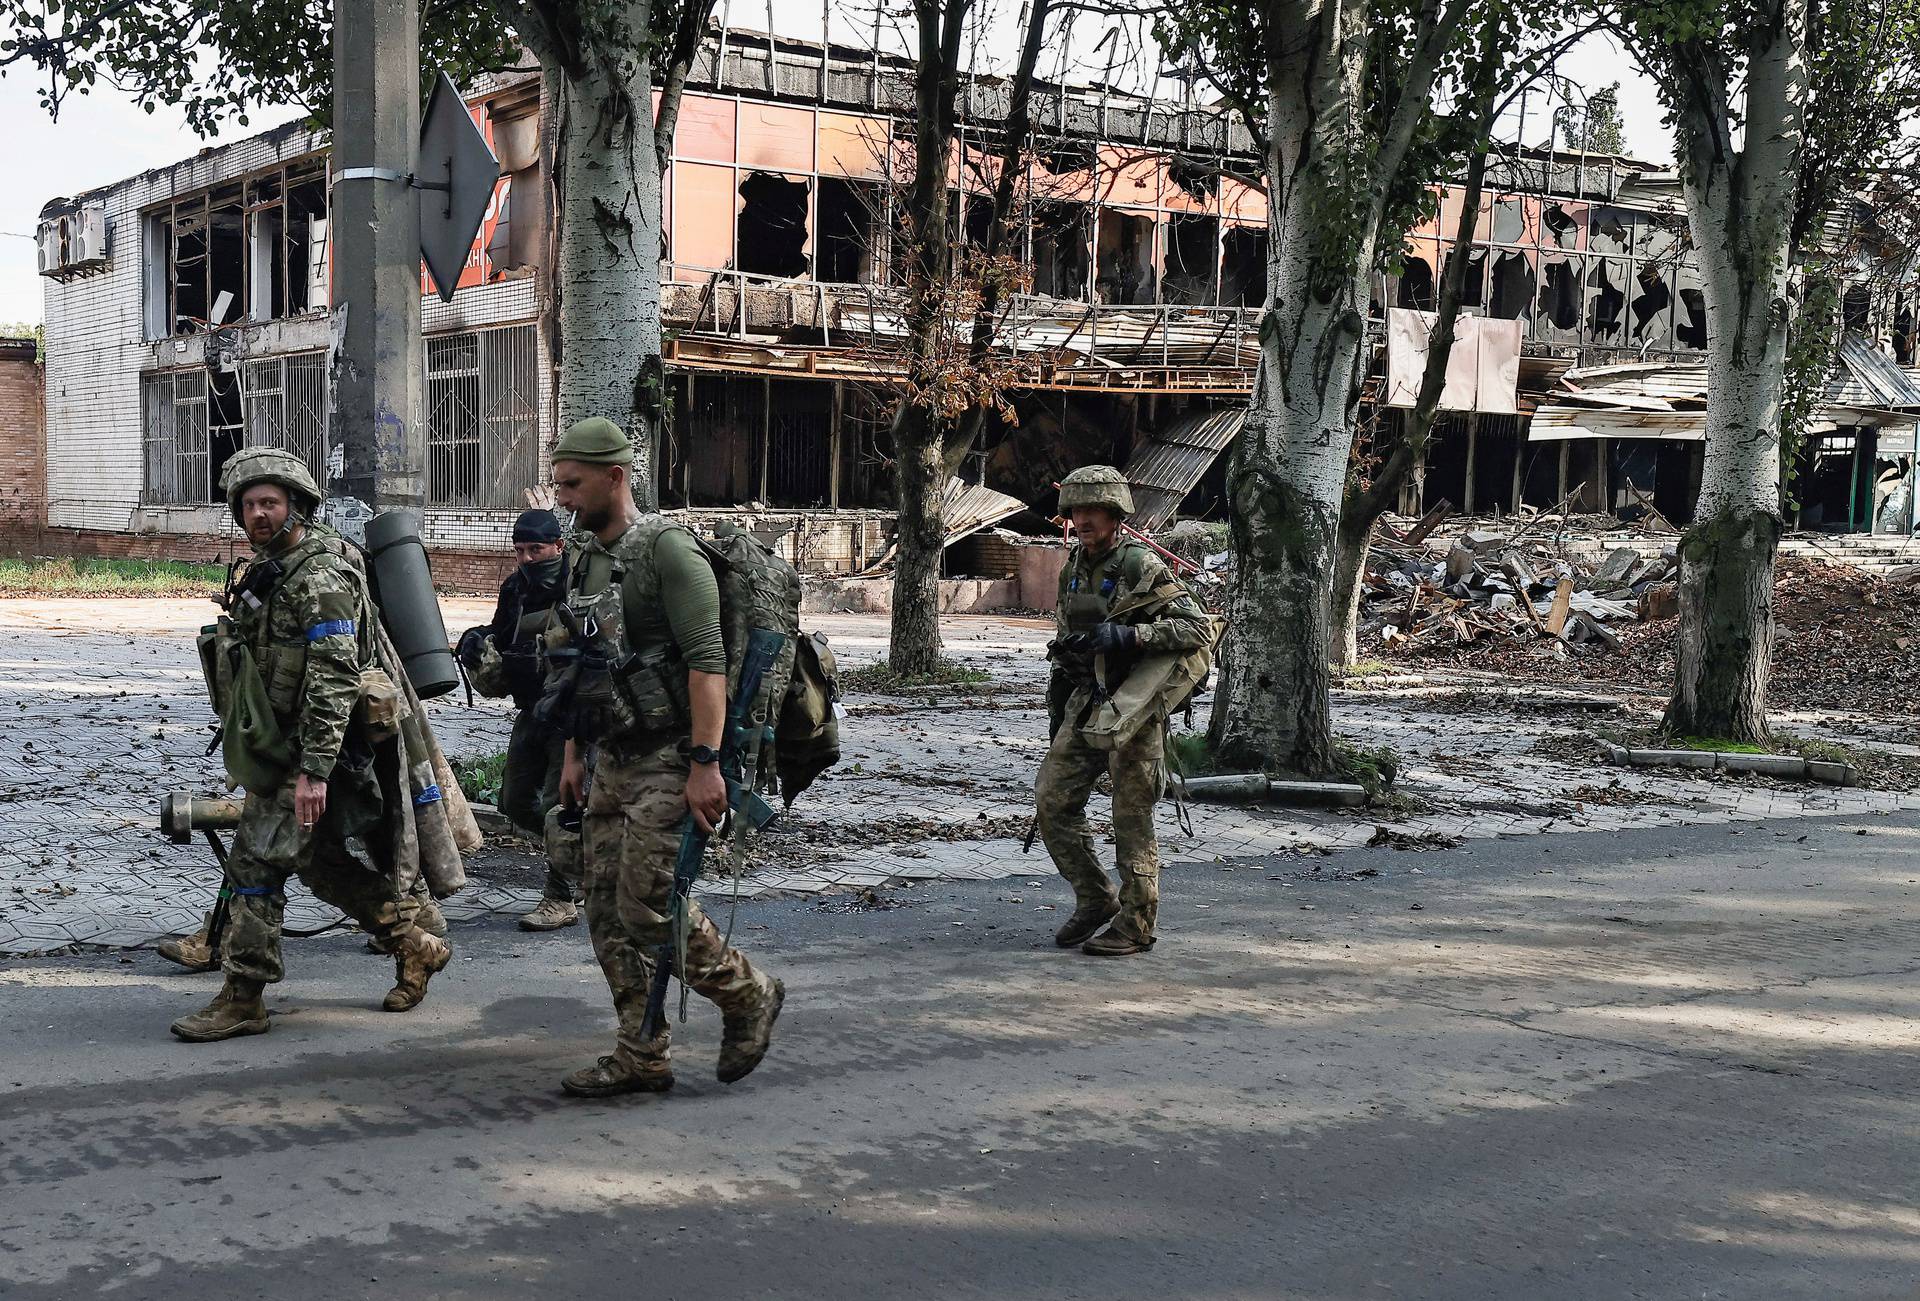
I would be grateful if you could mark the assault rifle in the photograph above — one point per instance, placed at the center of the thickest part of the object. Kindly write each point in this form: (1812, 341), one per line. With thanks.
(740, 743)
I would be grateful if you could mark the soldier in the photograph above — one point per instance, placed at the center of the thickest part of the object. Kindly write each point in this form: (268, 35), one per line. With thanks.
(642, 606)
(313, 806)
(502, 659)
(1103, 573)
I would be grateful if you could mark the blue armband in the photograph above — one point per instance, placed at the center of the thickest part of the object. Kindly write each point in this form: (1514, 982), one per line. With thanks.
(331, 628)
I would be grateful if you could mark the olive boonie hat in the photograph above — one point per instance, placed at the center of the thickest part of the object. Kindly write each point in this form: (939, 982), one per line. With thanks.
(594, 441)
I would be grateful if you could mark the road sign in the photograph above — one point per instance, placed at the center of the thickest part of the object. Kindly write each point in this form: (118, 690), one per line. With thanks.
(455, 176)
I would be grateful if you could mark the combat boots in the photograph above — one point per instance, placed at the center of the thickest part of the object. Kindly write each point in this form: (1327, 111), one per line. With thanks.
(1115, 943)
(1086, 919)
(190, 951)
(236, 1010)
(615, 1075)
(746, 1034)
(415, 961)
(551, 915)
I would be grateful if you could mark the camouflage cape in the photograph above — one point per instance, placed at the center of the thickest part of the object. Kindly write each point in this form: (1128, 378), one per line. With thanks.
(427, 838)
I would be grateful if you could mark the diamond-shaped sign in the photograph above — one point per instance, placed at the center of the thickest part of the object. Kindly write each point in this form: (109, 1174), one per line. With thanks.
(455, 175)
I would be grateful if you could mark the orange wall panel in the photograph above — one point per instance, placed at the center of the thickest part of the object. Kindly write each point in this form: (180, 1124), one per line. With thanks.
(1129, 178)
(705, 204)
(853, 146)
(1243, 203)
(705, 129)
(776, 138)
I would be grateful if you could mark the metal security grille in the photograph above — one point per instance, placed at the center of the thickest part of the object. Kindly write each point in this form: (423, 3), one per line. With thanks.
(174, 440)
(483, 427)
(283, 403)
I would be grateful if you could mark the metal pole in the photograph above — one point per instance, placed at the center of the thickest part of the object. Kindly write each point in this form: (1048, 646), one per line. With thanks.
(375, 413)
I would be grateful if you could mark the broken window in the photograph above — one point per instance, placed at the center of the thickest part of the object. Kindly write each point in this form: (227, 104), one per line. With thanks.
(1694, 333)
(226, 422)
(1855, 307)
(1243, 267)
(1193, 257)
(1416, 285)
(1060, 257)
(1510, 220)
(187, 268)
(1651, 317)
(976, 217)
(1903, 349)
(845, 235)
(1474, 292)
(719, 431)
(1562, 226)
(483, 428)
(1560, 295)
(250, 250)
(1201, 184)
(771, 230)
(1609, 234)
(226, 256)
(1606, 296)
(520, 216)
(1123, 258)
(1512, 286)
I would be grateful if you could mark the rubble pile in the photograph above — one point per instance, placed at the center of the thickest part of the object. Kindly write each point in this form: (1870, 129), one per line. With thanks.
(1496, 584)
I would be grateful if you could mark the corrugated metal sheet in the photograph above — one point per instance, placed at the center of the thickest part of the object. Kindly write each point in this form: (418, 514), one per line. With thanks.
(1165, 470)
(1559, 422)
(971, 507)
(1867, 377)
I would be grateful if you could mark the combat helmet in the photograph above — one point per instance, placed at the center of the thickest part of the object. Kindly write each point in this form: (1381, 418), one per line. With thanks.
(1097, 485)
(251, 465)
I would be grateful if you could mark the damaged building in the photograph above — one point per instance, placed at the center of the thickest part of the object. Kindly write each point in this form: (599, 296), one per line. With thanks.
(187, 315)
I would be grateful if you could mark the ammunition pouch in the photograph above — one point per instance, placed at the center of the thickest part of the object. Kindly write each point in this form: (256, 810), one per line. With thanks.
(381, 708)
(257, 752)
(650, 692)
(284, 665)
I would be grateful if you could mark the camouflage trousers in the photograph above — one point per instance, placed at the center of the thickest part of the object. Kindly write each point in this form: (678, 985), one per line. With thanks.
(530, 798)
(631, 837)
(269, 846)
(1067, 777)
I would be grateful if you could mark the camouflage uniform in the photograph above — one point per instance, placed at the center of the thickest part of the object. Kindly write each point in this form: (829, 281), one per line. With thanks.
(1091, 586)
(305, 638)
(309, 633)
(636, 810)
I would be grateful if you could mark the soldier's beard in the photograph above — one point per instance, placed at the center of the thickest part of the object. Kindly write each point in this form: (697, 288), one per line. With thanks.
(592, 520)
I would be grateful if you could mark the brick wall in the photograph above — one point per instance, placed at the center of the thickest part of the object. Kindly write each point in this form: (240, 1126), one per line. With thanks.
(23, 445)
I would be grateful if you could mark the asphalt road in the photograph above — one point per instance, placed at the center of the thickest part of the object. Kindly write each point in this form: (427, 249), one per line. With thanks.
(1644, 1065)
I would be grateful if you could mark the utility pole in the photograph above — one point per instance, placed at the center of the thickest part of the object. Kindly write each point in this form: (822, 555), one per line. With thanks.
(377, 399)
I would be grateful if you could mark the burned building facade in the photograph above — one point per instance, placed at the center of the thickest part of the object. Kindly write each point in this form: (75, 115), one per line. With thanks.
(187, 313)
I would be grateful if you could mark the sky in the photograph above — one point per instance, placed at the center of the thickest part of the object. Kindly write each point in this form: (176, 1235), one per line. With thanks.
(103, 136)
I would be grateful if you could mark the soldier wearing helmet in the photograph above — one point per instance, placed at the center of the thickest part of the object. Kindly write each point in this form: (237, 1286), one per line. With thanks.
(1117, 601)
(298, 636)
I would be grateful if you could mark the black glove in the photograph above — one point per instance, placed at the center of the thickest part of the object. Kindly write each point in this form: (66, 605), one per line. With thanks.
(1111, 637)
(471, 642)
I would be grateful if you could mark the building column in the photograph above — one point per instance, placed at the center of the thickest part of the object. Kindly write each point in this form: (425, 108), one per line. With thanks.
(376, 415)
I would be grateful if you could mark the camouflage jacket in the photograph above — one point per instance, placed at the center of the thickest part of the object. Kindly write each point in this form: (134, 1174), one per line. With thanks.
(1091, 587)
(307, 624)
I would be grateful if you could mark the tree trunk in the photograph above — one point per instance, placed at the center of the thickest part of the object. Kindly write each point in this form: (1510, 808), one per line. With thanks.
(1288, 468)
(609, 272)
(1723, 653)
(913, 645)
(1740, 204)
(1343, 605)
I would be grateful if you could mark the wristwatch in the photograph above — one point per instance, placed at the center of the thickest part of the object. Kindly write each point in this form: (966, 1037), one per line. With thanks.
(704, 754)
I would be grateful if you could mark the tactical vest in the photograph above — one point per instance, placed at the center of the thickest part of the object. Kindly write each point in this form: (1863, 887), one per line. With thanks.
(1085, 599)
(271, 630)
(603, 686)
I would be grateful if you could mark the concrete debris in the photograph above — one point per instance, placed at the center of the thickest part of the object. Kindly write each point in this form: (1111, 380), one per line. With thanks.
(1493, 583)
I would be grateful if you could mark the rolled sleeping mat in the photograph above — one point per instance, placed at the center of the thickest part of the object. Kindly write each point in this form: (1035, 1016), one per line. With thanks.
(181, 815)
(404, 583)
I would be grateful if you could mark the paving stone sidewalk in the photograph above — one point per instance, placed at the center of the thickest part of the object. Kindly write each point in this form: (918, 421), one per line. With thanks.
(105, 714)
